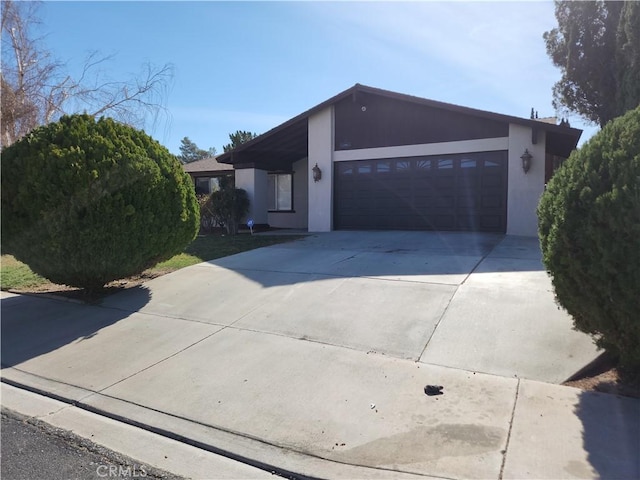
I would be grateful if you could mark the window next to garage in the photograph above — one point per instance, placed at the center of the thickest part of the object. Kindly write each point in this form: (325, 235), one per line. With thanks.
(206, 185)
(280, 192)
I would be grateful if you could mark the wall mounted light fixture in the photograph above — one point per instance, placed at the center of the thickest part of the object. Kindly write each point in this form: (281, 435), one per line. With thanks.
(526, 160)
(317, 173)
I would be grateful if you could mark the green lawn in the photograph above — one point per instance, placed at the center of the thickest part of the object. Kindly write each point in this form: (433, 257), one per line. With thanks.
(15, 274)
(18, 276)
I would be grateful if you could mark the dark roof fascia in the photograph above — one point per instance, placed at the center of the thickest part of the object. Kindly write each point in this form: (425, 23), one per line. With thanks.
(227, 157)
(211, 173)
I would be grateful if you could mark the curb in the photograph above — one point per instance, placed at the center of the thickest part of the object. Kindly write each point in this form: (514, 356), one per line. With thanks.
(48, 408)
(249, 452)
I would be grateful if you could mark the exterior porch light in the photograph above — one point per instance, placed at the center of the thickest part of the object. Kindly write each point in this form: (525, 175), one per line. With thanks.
(317, 173)
(526, 160)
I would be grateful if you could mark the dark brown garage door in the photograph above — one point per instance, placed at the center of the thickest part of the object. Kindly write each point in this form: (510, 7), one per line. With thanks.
(466, 192)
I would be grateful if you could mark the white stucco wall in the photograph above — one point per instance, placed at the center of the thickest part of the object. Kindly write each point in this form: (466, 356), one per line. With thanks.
(442, 148)
(524, 189)
(321, 153)
(254, 181)
(298, 218)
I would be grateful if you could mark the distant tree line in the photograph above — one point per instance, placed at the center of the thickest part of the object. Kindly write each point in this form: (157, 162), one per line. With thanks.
(190, 152)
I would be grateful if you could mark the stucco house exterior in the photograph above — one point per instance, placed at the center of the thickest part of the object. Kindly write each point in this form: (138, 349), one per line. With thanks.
(205, 173)
(386, 160)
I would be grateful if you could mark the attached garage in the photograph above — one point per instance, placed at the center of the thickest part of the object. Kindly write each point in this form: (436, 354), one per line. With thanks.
(463, 192)
(371, 159)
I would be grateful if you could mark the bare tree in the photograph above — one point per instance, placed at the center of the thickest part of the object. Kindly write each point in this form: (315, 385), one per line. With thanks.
(26, 75)
(134, 101)
(36, 89)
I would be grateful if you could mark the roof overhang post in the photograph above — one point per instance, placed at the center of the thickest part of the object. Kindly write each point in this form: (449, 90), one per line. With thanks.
(254, 182)
(524, 188)
(320, 153)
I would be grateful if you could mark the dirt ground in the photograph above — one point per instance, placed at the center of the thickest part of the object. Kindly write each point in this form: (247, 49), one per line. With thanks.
(603, 376)
(78, 294)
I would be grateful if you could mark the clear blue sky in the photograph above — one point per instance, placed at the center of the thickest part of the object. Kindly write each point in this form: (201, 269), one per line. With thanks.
(252, 66)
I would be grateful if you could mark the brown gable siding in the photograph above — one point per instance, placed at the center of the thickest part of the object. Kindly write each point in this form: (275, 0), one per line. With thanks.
(369, 121)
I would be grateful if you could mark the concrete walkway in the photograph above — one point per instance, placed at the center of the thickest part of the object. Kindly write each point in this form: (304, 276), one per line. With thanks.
(311, 357)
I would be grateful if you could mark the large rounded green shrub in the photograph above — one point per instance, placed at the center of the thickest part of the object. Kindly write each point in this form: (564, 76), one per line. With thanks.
(589, 227)
(85, 202)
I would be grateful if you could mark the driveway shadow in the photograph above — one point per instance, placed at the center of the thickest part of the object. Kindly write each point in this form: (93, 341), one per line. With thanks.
(611, 434)
(32, 326)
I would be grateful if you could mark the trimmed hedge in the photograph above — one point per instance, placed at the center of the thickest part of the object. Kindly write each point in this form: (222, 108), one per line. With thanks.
(589, 228)
(85, 202)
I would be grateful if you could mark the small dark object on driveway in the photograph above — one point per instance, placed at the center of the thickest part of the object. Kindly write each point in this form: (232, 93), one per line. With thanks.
(433, 390)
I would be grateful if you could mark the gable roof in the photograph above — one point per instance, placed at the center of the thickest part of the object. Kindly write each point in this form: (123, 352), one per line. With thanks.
(289, 141)
(207, 165)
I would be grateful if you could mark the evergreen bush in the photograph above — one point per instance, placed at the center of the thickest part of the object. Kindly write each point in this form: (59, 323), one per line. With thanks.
(85, 202)
(589, 228)
(228, 205)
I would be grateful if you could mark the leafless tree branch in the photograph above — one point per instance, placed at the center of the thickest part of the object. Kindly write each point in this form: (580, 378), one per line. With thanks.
(36, 90)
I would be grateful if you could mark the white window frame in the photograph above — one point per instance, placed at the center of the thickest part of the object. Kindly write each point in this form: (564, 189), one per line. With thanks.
(276, 181)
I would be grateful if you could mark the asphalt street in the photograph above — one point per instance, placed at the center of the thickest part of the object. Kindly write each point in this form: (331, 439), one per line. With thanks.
(34, 450)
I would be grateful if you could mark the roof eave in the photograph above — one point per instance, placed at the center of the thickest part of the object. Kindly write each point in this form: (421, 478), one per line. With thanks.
(227, 157)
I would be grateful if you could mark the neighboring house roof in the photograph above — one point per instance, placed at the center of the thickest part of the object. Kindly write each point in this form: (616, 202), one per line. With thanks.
(289, 141)
(207, 166)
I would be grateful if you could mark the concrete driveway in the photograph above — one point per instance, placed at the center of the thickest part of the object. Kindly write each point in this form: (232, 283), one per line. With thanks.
(311, 357)
(473, 301)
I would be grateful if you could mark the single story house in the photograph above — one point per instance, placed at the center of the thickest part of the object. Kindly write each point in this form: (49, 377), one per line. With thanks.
(206, 173)
(374, 159)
